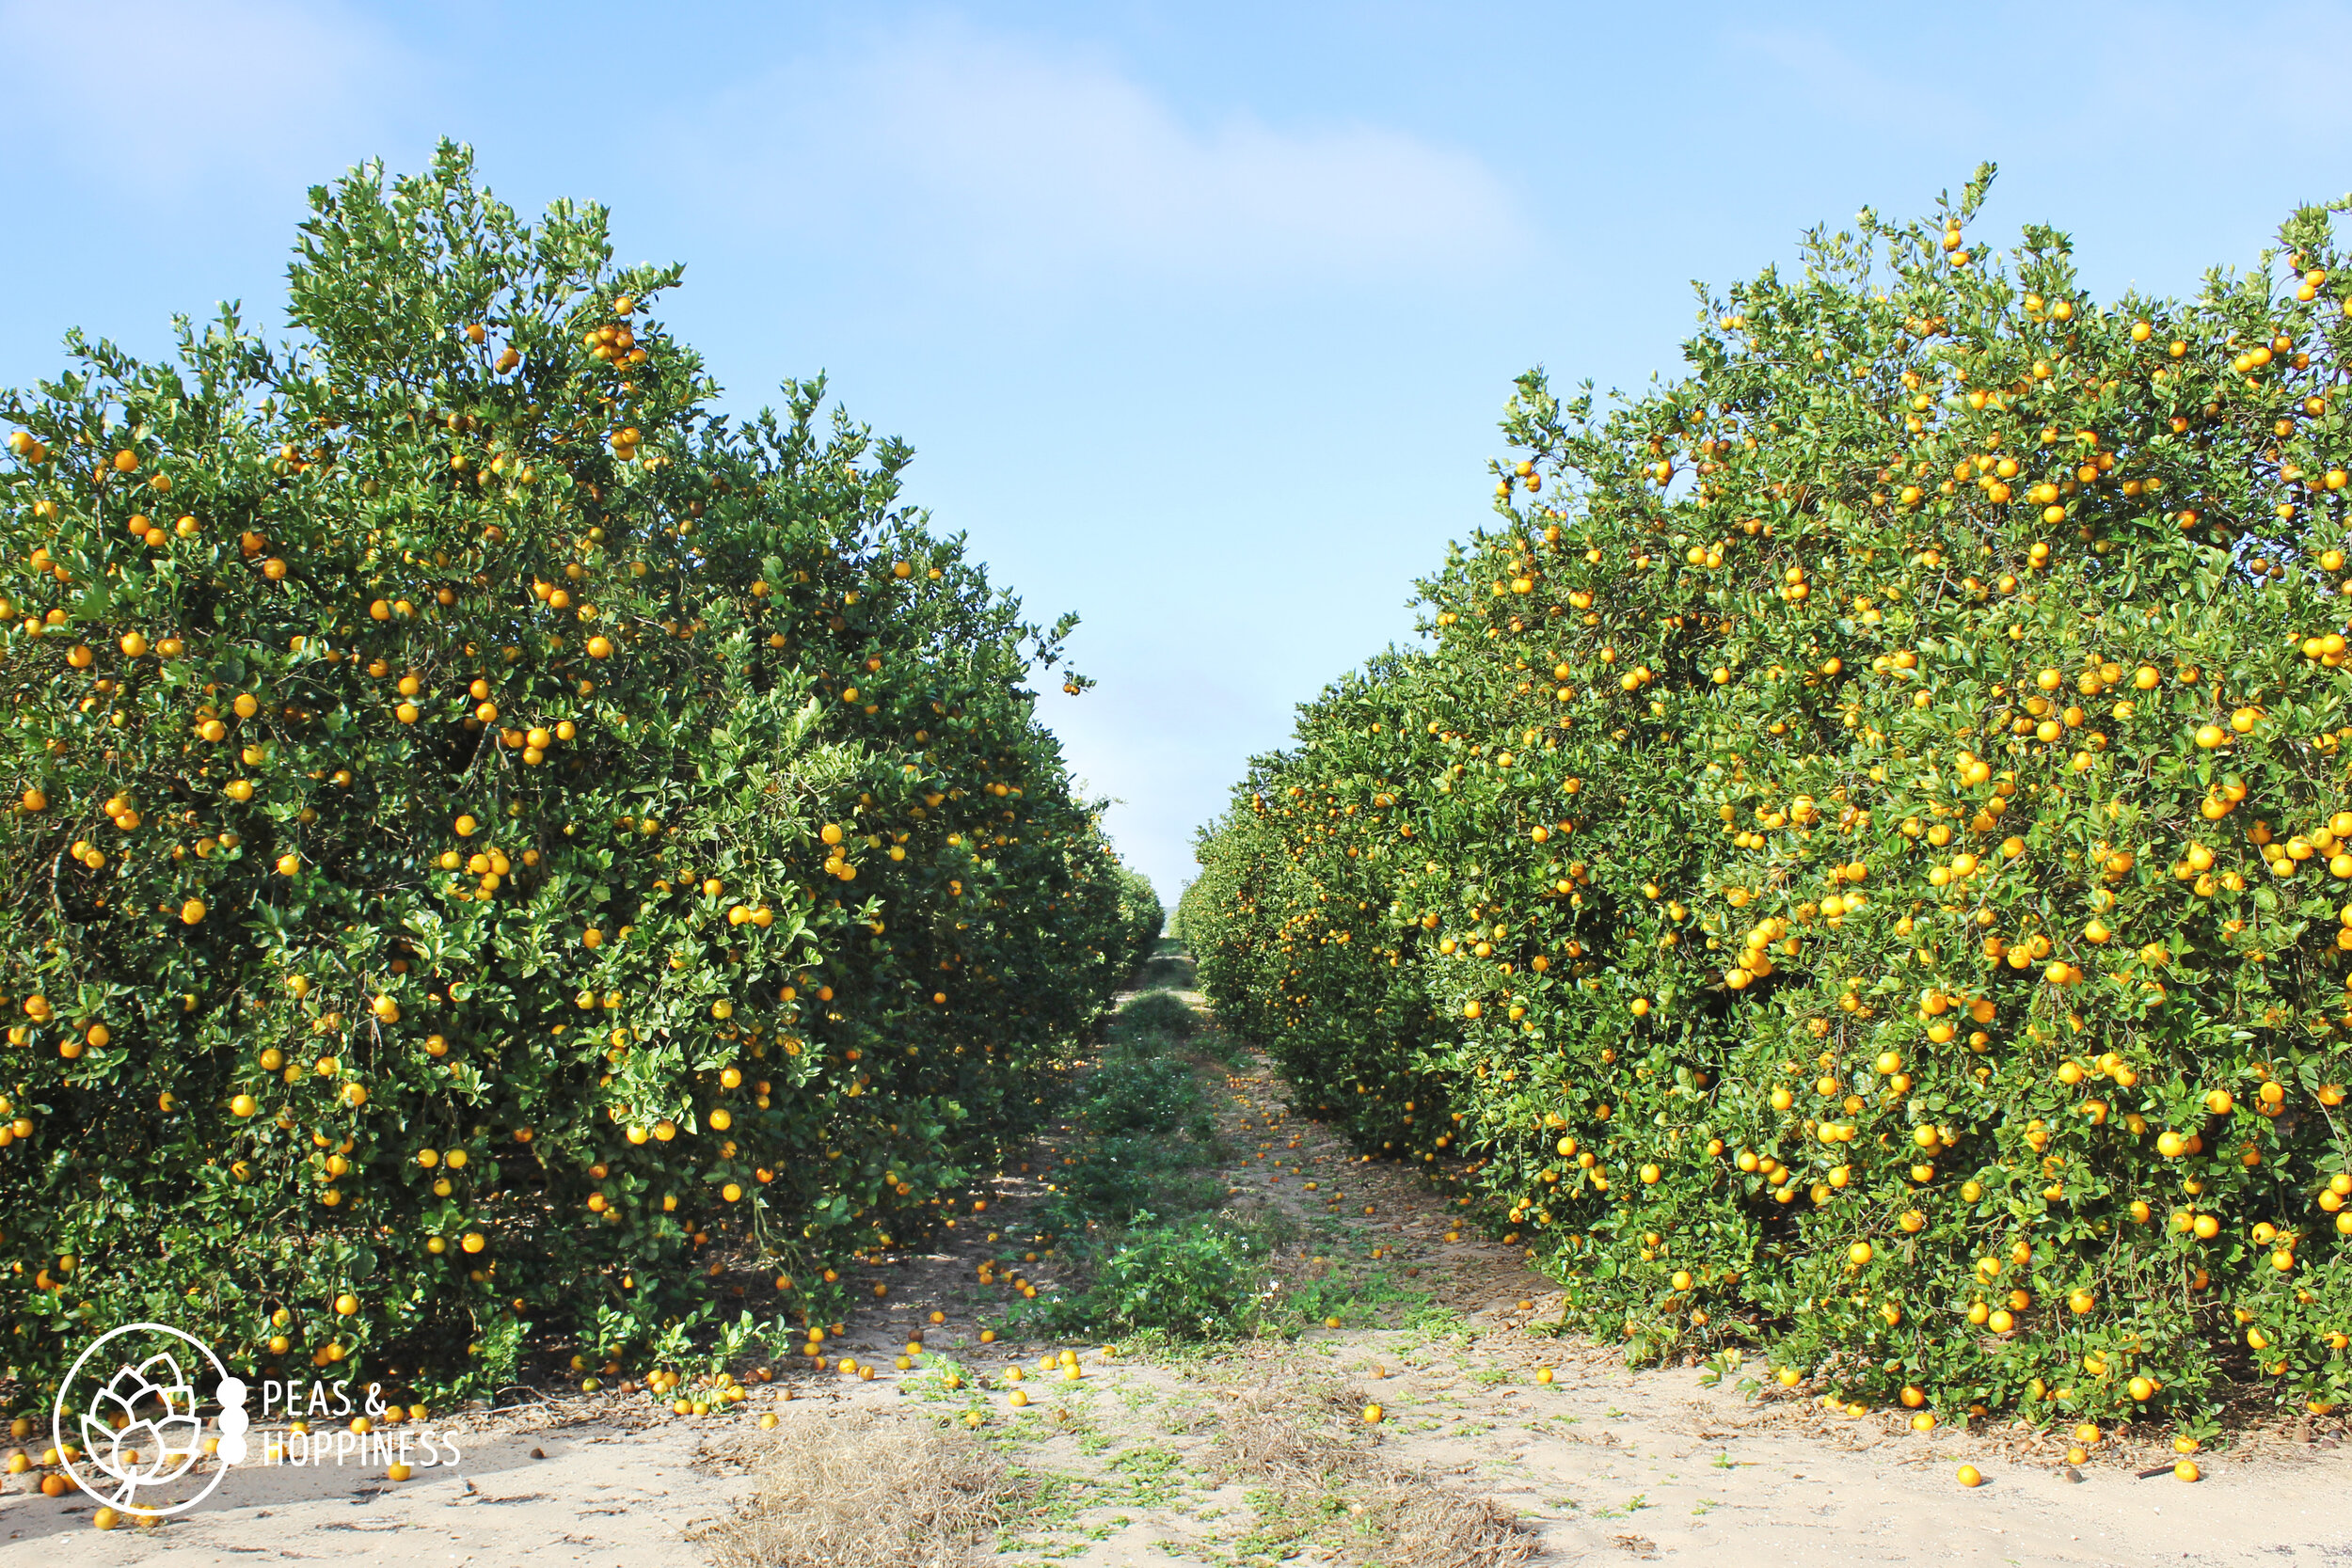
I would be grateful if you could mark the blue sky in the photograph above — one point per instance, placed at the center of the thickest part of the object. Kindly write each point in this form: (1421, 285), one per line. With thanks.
(1199, 315)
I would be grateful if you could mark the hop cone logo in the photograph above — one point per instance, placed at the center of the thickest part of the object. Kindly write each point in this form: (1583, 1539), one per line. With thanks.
(138, 1431)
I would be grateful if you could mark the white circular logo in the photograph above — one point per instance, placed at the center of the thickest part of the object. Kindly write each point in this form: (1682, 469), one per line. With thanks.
(137, 1431)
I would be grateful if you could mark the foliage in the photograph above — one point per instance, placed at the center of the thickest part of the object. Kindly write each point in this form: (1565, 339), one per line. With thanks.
(1142, 1133)
(1860, 864)
(1160, 1012)
(490, 833)
(1140, 917)
(1131, 1208)
(1197, 1278)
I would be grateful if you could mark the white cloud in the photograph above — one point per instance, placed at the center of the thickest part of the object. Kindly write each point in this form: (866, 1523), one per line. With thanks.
(1045, 166)
(2118, 70)
(1814, 74)
(157, 94)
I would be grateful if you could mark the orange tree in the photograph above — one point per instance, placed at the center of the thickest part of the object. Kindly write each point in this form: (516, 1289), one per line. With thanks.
(487, 828)
(1870, 844)
(1138, 912)
(1291, 920)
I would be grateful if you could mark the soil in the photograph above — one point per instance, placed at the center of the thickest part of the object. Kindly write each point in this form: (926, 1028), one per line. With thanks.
(1140, 1460)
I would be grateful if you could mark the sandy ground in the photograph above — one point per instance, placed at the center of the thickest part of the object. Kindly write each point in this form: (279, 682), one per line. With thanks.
(1126, 1464)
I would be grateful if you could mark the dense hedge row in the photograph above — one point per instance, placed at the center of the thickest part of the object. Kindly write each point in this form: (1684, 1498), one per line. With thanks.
(486, 831)
(1865, 862)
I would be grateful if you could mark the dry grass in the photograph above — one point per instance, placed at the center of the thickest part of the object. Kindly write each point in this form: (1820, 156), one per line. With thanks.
(1304, 1443)
(854, 1489)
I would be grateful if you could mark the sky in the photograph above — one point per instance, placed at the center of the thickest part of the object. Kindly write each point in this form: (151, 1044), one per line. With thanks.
(1199, 316)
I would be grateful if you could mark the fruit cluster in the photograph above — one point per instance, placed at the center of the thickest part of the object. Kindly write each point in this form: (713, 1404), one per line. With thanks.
(487, 833)
(1867, 861)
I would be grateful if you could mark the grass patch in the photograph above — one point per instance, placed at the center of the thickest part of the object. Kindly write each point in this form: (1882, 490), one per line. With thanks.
(1316, 1478)
(1161, 1012)
(1358, 1299)
(1165, 969)
(855, 1489)
(1139, 1213)
(1198, 1279)
(1138, 1210)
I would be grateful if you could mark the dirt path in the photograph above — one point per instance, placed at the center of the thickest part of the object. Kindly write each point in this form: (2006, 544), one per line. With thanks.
(1135, 1461)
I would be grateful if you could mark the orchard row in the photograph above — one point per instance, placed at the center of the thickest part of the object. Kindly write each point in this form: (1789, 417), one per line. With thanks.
(490, 834)
(1865, 864)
